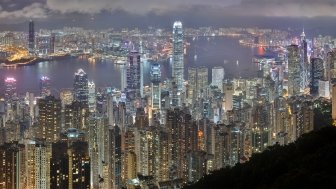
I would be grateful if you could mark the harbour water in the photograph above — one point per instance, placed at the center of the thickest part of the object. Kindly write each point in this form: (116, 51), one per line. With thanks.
(210, 52)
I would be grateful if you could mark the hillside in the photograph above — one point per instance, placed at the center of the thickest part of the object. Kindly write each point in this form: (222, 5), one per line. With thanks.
(310, 162)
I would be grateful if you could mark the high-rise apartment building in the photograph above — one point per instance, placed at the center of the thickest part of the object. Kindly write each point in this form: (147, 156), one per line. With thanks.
(49, 120)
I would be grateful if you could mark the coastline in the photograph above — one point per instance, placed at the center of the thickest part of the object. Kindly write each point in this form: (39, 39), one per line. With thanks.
(32, 61)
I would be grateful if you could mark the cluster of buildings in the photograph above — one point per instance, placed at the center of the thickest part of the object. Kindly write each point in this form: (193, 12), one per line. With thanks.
(163, 136)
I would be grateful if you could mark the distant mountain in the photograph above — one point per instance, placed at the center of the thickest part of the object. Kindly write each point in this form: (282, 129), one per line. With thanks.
(310, 162)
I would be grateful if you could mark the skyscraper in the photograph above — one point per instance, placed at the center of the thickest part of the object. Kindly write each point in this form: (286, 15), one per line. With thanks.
(38, 155)
(202, 81)
(293, 70)
(115, 161)
(218, 77)
(10, 88)
(11, 166)
(70, 163)
(49, 119)
(134, 76)
(81, 87)
(316, 74)
(192, 84)
(304, 64)
(178, 64)
(156, 89)
(45, 86)
(31, 38)
(333, 113)
(92, 97)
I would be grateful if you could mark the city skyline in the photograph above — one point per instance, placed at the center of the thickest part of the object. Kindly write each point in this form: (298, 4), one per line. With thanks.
(177, 96)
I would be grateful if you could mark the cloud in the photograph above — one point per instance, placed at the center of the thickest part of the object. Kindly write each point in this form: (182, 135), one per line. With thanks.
(208, 8)
(34, 10)
(287, 8)
(132, 6)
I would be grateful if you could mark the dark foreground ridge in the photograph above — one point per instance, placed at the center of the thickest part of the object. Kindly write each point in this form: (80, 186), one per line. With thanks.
(310, 162)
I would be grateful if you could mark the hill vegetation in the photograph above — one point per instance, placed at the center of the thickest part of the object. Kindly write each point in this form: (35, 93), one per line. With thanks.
(310, 162)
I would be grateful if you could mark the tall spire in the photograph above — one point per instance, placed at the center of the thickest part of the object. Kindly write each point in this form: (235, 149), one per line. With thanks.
(303, 35)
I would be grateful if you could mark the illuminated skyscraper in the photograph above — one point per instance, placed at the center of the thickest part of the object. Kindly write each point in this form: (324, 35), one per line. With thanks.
(11, 166)
(304, 64)
(115, 161)
(331, 67)
(38, 155)
(293, 70)
(70, 163)
(228, 91)
(202, 81)
(156, 89)
(316, 74)
(81, 87)
(218, 77)
(333, 113)
(92, 97)
(192, 84)
(45, 86)
(10, 88)
(76, 116)
(31, 38)
(134, 76)
(178, 64)
(49, 119)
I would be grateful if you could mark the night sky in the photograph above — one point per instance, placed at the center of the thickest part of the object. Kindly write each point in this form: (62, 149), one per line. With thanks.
(317, 15)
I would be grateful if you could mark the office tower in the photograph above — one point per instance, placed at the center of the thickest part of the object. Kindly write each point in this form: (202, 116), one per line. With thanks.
(134, 76)
(70, 163)
(12, 166)
(330, 70)
(218, 77)
(49, 120)
(228, 92)
(31, 38)
(92, 97)
(66, 96)
(115, 161)
(52, 43)
(316, 74)
(192, 84)
(45, 86)
(202, 82)
(304, 64)
(293, 70)
(178, 64)
(10, 88)
(110, 110)
(333, 113)
(123, 79)
(38, 155)
(156, 88)
(81, 90)
(76, 116)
